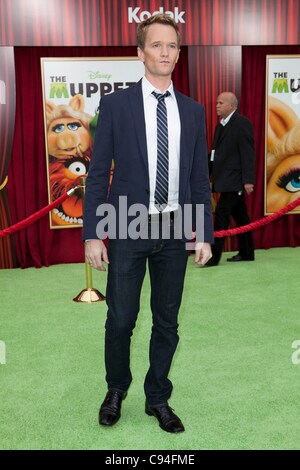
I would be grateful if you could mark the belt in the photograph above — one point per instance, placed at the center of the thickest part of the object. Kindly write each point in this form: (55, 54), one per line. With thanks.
(161, 216)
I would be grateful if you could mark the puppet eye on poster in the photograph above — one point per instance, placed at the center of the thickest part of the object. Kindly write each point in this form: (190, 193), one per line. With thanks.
(72, 89)
(282, 156)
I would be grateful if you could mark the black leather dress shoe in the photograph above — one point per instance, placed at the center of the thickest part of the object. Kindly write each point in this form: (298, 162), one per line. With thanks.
(168, 421)
(211, 262)
(240, 258)
(110, 410)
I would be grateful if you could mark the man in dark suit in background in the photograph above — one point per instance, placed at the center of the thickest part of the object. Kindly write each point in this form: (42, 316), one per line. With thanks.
(233, 175)
(130, 131)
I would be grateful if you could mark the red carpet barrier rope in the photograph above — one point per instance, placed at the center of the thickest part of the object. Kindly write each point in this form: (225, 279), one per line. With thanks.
(220, 234)
(38, 215)
(259, 223)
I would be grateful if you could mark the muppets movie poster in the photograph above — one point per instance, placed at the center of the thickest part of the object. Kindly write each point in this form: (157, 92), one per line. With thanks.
(282, 154)
(72, 89)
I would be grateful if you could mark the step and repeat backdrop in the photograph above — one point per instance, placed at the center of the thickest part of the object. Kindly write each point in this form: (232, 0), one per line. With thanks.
(213, 33)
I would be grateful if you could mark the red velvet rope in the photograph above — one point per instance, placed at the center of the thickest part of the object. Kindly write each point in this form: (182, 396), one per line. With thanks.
(258, 223)
(220, 234)
(32, 218)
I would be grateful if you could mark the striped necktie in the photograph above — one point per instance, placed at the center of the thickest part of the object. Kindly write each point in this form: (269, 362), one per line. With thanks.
(162, 172)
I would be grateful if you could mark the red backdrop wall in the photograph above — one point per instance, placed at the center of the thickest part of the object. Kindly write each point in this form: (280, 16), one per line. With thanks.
(221, 35)
(110, 23)
(37, 245)
(286, 230)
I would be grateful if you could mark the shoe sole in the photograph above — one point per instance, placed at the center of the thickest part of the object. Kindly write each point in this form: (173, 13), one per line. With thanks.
(239, 260)
(109, 425)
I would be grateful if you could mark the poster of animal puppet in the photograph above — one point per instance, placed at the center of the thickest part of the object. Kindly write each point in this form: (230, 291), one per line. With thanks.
(282, 160)
(72, 89)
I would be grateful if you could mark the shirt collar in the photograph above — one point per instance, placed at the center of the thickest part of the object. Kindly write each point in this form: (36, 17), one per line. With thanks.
(148, 88)
(226, 120)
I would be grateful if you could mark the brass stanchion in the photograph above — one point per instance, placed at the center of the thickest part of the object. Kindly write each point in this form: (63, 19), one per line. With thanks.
(89, 294)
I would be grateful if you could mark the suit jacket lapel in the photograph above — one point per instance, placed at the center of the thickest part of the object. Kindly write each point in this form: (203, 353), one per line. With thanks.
(217, 136)
(185, 143)
(184, 122)
(137, 109)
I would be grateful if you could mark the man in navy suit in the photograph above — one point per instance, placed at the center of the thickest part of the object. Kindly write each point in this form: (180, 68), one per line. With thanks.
(233, 175)
(127, 132)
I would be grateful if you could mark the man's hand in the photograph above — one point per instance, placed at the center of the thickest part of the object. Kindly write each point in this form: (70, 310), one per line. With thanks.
(95, 254)
(202, 253)
(249, 188)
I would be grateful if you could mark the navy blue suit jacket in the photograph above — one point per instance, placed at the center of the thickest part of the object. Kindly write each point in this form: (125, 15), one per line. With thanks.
(121, 136)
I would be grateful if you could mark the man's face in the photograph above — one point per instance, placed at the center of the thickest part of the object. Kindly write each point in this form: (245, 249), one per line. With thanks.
(161, 52)
(224, 105)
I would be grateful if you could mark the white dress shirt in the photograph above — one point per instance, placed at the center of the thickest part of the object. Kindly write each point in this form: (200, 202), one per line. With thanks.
(225, 121)
(174, 129)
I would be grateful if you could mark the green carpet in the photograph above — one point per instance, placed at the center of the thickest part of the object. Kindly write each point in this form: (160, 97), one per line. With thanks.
(235, 386)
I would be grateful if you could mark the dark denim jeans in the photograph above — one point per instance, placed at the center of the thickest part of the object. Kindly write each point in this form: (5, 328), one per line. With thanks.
(167, 260)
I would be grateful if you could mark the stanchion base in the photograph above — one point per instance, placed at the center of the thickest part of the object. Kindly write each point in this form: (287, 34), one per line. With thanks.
(89, 296)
